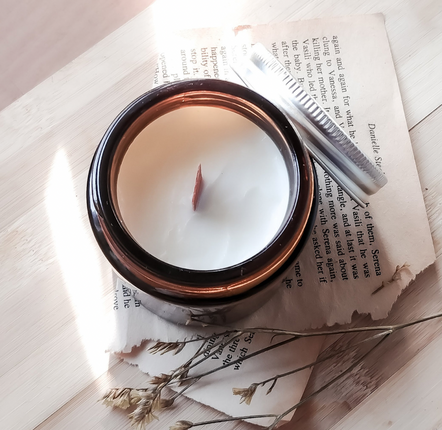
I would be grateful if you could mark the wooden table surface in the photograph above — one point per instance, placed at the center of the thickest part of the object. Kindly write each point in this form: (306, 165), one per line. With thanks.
(53, 366)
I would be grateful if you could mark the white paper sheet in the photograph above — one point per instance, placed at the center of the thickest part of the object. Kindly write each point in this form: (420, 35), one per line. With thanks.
(357, 260)
(215, 390)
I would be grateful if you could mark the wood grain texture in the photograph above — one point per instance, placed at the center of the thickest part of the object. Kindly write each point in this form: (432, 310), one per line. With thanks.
(52, 363)
(422, 297)
(37, 39)
(414, 388)
(83, 411)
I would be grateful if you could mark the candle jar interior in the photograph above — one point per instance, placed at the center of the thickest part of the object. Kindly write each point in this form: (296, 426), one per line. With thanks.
(245, 193)
(183, 285)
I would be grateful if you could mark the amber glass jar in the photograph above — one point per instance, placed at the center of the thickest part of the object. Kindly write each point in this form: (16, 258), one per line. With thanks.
(180, 294)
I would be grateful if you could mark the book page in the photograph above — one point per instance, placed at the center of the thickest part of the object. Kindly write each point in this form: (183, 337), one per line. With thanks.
(135, 323)
(357, 259)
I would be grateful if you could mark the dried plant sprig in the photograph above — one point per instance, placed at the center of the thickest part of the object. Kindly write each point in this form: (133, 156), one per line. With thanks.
(179, 375)
(165, 347)
(211, 351)
(183, 377)
(188, 385)
(275, 378)
(245, 393)
(328, 384)
(137, 394)
(280, 417)
(181, 425)
(242, 359)
(141, 397)
(207, 352)
(166, 403)
(161, 379)
(221, 420)
(143, 414)
(314, 333)
(278, 332)
(117, 398)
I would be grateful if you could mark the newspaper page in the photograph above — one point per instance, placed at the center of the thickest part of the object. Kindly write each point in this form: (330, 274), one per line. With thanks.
(357, 259)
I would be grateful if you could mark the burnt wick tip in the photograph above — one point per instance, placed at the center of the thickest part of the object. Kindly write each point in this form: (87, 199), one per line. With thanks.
(197, 188)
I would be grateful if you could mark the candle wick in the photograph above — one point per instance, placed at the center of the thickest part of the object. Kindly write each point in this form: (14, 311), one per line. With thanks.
(197, 188)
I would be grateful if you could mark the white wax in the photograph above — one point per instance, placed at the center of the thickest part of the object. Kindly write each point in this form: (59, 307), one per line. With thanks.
(244, 196)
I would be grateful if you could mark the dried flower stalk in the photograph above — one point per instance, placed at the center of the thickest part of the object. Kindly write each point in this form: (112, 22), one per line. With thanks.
(165, 347)
(148, 400)
(143, 414)
(118, 398)
(181, 425)
(245, 393)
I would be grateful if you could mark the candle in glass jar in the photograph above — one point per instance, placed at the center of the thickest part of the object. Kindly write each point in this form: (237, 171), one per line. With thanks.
(244, 195)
